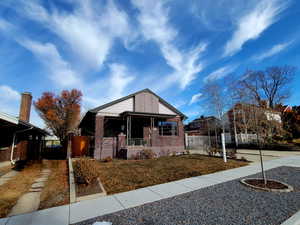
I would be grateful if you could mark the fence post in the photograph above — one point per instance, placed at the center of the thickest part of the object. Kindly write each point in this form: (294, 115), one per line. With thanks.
(186, 141)
(224, 148)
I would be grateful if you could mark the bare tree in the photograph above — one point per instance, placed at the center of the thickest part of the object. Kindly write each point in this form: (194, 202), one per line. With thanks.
(275, 83)
(271, 85)
(214, 96)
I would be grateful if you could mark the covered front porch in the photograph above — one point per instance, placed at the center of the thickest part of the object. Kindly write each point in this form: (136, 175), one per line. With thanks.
(135, 131)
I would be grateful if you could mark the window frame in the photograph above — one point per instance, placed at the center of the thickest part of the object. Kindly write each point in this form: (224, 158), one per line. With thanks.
(161, 130)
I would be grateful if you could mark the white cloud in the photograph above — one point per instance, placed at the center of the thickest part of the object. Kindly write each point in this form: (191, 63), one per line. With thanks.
(104, 90)
(272, 51)
(9, 100)
(192, 113)
(195, 98)
(155, 26)
(89, 29)
(4, 25)
(219, 73)
(119, 79)
(60, 71)
(9, 93)
(252, 24)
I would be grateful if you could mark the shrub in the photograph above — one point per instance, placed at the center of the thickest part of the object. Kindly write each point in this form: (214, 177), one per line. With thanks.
(164, 153)
(212, 151)
(243, 159)
(85, 171)
(144, 154)
(147, 154)
(107, 159)
(231, 153)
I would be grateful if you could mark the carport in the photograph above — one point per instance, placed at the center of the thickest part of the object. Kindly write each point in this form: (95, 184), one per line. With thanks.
(28, 139)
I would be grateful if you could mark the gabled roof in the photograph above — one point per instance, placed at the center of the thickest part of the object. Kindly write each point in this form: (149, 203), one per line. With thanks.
(19, 124)
(95, 110)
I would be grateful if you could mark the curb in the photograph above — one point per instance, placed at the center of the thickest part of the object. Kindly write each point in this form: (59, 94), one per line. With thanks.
(288, 189)
(294, 220)
(71, 182)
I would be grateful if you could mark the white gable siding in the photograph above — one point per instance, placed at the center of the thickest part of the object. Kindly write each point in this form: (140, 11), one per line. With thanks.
(165, 110)
(116, 109)
(273, 116)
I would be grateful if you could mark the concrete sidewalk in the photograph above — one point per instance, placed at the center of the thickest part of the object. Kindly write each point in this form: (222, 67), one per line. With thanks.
(5, 163)
(84, 210)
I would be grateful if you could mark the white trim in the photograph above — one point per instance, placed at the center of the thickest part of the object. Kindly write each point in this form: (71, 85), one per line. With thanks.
(9, 118)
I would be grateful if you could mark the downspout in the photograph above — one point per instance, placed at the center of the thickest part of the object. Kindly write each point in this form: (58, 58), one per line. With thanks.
(13, 145)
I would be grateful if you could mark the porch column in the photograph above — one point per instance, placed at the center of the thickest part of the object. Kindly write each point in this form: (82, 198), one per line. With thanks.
(128, 133)
(151, 130)
(99, 133)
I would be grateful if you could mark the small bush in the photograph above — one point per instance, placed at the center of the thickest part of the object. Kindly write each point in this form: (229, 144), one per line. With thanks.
(107, 159)
(243, 159)
(165, 153)
(147, 154)
(212, 151)
(144, 154)
(85, 171)
(231, 153)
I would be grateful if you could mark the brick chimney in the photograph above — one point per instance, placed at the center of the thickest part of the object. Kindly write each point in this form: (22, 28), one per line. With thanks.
(25, 106)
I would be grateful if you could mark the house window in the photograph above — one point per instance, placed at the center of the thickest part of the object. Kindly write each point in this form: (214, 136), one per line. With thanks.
(168, 128)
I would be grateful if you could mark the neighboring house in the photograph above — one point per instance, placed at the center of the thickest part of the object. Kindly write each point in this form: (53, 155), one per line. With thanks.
(141, 120)
(26, 138)
(242, 120)
(202, 126)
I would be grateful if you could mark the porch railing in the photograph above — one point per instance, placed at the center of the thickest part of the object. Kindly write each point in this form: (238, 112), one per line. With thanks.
(137, 142)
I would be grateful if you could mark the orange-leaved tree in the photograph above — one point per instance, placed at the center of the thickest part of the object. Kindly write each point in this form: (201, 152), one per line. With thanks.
(61, 113)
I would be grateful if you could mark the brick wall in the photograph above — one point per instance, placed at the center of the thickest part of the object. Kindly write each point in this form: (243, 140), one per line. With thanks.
(4, 154)
(158, 140)
(99, 132)
(161, 145)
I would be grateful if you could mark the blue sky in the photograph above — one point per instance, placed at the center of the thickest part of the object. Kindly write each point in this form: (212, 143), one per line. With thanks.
(109, 49)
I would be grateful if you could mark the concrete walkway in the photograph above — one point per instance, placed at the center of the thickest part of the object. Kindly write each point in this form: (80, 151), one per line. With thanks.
(6, 177)
(5, 163)
(84, 210)
(30, 201)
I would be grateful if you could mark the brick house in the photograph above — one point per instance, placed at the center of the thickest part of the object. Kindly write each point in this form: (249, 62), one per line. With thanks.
(202, 126)
(141, 120)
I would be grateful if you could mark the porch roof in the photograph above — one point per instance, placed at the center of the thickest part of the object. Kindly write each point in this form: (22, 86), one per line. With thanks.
(10, 125)
(145, 114)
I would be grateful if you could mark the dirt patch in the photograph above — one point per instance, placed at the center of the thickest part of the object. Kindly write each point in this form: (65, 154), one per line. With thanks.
(270, 184)
(56, 190)
(86, 172)
(17, 186)
(125, 175)
(88, 189)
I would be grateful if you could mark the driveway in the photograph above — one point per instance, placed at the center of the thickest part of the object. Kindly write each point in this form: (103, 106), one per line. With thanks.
(253, 155)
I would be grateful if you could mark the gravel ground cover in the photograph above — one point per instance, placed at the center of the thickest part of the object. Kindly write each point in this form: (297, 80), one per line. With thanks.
(226, 203)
